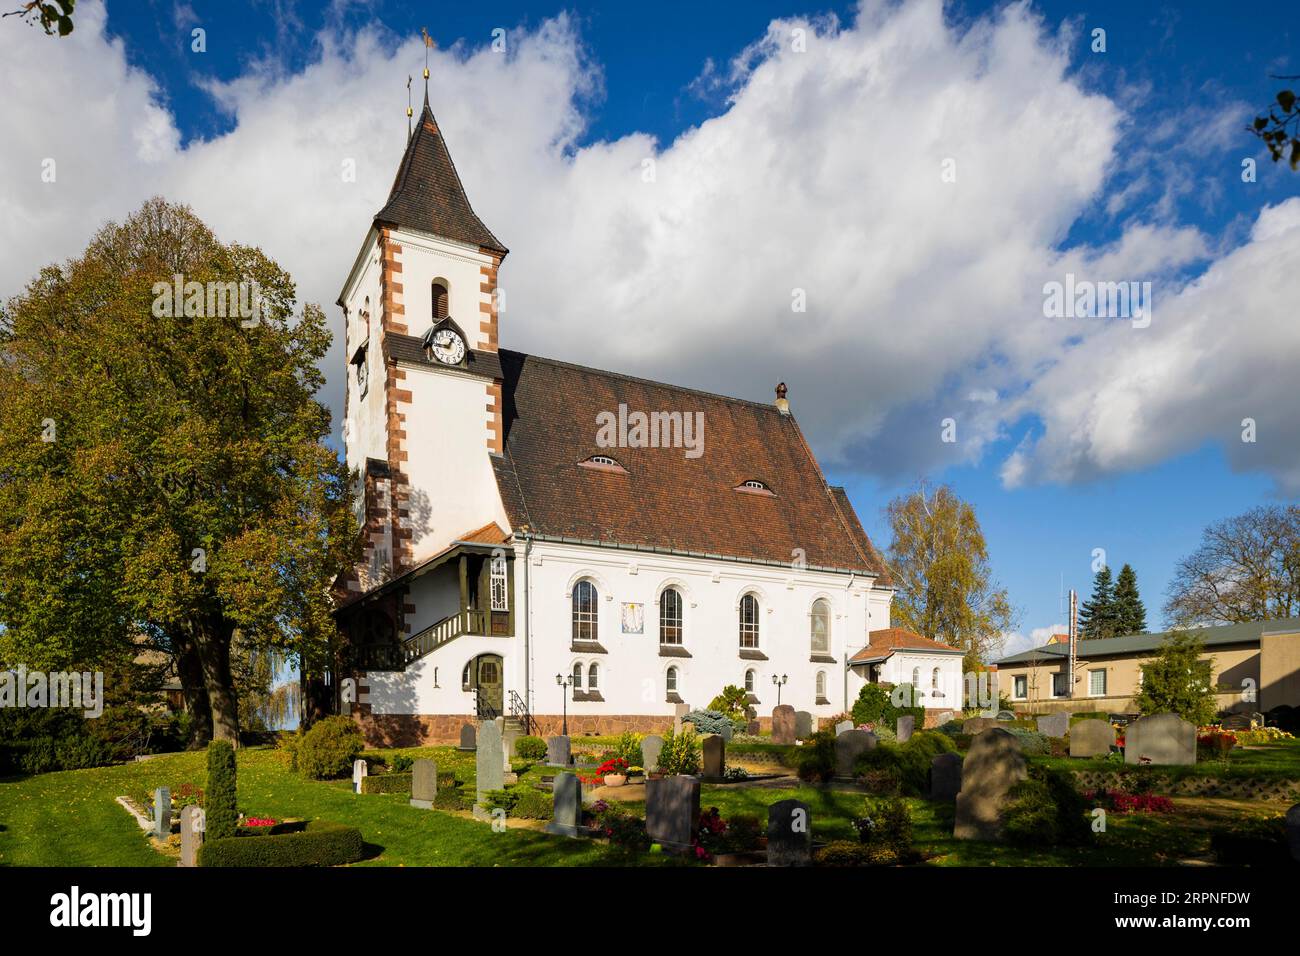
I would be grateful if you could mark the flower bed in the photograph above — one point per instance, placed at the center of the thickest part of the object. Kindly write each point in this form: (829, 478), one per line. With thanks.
(1117, 801)
(318, 843)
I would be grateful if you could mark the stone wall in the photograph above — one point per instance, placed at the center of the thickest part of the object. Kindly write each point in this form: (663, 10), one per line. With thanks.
(419, 730)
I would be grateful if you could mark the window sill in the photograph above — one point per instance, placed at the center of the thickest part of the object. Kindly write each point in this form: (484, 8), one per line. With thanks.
(752, 654)
(822, 659)
(587, 696)
(673, 650)
(751, 700)
(823, 700)
(675, 698)
(587, 647)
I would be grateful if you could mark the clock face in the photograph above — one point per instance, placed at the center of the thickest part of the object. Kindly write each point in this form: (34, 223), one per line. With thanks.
(448, 347)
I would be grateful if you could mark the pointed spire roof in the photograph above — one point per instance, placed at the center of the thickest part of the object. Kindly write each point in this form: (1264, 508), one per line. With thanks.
(427, 194)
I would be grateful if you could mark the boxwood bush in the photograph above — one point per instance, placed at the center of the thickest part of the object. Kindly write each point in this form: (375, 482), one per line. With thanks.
(910, 761)
(1046, 810)
(222, 816)
(328, 749)
(531, 748)
(817, 757)
(318, 843)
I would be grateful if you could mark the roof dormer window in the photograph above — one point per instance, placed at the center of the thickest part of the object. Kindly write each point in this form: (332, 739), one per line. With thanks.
(603, 463)
(754, 487)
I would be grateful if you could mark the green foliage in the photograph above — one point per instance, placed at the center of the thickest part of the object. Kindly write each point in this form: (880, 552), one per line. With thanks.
(870, 706)
(680, 753)
(452, 798)
(817, 757)
(318, 843)
(1032, 743)
(328, 749)
(1097, 617)
(849, 853)
(1178, 681)
(710, 721)
(531, 748)
(1045, 810)
(1278, 130)
(628, 748)
(908, 763)
(222, 814)
(387, 783)
(1130, 612)
(523, 802)
(876, 706)
(886, 827)
(401, 763)
(623, 828)
(733, 702)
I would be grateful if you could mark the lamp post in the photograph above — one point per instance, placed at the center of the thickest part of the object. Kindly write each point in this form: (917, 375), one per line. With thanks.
(779, 682)
(564, 682)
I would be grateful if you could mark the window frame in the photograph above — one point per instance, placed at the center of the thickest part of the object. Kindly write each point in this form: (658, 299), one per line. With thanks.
(1092, 672)
(666, 627)
(749, 629)
(585, 623)
(825, 615)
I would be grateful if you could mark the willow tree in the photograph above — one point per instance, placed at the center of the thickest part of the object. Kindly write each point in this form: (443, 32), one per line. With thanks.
(940, 565)
(163, 461)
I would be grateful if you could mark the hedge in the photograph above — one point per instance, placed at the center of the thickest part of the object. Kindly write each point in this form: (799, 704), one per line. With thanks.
(319, 843)
(399, 782)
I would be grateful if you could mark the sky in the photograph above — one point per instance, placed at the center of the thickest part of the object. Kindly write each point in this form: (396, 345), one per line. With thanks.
(915, 174)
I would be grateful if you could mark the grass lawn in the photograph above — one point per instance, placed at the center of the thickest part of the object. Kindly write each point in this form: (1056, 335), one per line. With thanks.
(1278, 761)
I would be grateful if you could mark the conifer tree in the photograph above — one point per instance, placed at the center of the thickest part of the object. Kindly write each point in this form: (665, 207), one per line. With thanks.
(1097, 616)
(1130, 612)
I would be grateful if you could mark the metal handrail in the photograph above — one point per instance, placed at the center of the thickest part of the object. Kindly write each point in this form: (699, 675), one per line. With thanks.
(519, 711)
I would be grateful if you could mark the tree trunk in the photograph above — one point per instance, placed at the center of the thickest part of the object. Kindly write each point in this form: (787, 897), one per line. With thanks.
(213, 639)
(195, 693)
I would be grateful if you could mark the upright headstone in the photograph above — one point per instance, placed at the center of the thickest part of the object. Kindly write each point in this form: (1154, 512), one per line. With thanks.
(567, 810)
(848, 747)
(783, 727)
(904, 727)
(1236, 722)
(1293, 832)
(650, 747)
(977, 725)
(467, 737)
(843, 727)
(359, 772)
(672, 810)
(510, 735)
(803, 724)
(557, 751)
(1160, 739)
(789, 834)
(727, 731)
(424, 783)
(753, 728)
(992, 767)
(1091, 738)
(162, 813)
(945, 777)
(191, 834)
(489, 760)
(714, 749)
(1054, 725)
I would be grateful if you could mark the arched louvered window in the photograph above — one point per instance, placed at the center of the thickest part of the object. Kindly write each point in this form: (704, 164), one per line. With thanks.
(440, 301)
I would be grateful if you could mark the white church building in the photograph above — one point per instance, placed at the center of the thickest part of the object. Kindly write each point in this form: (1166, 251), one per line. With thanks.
(544, 540)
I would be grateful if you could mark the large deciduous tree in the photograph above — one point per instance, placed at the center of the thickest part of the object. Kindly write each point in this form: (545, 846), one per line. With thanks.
(166, 475)
(1246, 568)
(939, 561)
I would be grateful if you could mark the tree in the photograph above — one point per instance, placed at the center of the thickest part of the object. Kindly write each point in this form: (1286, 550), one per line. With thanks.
(1130, 612)
(1097, 615)
(164, 472)
(1178, 681)
(939, 562)
(53, 16)
(1246, 568)
(1279, 128)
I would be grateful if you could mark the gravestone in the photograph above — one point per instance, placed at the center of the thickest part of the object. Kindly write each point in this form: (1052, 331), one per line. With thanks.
(567, 812)
(359, 773)
(803, 724)
(992, 767)
(848, 746)
(1006, 715)
(192, 823)
(977, 725)
(1091, 738)
(1160, 739)
(945, 777)
(1293, 832)
(509, 738)
(789, 834)
(843, 727)
(162, 813)
(424, 783)
(753, 728)
(714, 749)
(467, 737)
(1236, 722)
(783, 724)
(489, 760)
(679, 711)
(727, 731)
(904, 727)
(672, 810)
(650, 747)
(943, 718)
(557, 751)
(1054, 725)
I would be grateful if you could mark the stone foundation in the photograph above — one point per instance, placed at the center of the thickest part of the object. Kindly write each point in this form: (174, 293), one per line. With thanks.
(422, 730)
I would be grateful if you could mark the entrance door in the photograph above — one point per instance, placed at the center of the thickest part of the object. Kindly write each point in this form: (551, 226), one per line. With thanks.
(489, 682)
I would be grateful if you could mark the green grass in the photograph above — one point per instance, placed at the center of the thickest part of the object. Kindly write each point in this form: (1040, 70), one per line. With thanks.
(1276, 761)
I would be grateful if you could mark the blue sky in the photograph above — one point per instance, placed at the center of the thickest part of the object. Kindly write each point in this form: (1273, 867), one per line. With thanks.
(1147, 139)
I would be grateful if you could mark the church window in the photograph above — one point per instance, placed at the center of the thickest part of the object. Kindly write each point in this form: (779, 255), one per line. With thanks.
(585, 613)
(670, 617)
(440, 301)
(593, 676)
(670, 680)
(749, 682)
(500, 592)
(577, 676)
(821, 626)
(749, 621)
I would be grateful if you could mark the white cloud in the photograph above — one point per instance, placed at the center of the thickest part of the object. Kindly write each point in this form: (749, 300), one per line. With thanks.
(823, 173)
(1013, 642)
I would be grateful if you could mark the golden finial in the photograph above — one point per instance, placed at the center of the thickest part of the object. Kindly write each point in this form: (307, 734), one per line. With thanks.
(428, 45)
(409, 112)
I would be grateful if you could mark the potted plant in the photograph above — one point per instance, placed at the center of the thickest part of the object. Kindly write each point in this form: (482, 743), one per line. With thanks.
(614, 772)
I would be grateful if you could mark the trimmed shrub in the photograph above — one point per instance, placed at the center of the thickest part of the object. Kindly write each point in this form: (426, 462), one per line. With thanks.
(733, 702)
(401, 763)
(222, 816)
(846, 853)
(952, 728)
(451, 798)
(1032, 743)
(318, 843)
(1089, 715)
(817, 757)
(533, 804)
(875, 705)
(531, 748)
(709, 721)
(680, 753)
(1046, 810)
(328, 749)
(886, 826)
(628, 748)
(909, 762)
(387, 783)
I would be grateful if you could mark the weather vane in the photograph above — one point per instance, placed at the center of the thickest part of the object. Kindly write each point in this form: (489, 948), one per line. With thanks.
(428, 45)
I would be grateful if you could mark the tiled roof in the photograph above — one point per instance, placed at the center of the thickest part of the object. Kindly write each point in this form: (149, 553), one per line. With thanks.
(884, 642)
(665, 500)
(1245, 633)
(491, 533)
(427, 194)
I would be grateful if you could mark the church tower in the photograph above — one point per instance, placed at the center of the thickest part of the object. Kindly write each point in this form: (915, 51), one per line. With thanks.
(424, 414)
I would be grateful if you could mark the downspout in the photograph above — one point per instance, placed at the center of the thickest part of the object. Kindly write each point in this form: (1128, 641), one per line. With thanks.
(867, 610)
(528, 617)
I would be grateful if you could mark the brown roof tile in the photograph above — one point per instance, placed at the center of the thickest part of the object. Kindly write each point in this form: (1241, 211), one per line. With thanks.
(884, 642)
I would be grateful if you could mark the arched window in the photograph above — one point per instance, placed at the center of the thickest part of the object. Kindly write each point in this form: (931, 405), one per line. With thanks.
(821, 685)
(670, 680)
(584, 611)
(916, 678)
(593, 676)
(750, 681)
(670, 616)
(577, 676)
(440, 302)
(749, 621)
(464, 676)
(934, 679)
(821, 626)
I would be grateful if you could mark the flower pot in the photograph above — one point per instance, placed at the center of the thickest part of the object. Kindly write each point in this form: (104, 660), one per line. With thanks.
(615, 779)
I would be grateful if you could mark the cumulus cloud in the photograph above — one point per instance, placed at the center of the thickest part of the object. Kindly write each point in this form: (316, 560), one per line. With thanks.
(1013, 642)
(903, 173)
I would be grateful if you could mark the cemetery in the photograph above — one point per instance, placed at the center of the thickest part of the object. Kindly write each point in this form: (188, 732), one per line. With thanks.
(974, 791)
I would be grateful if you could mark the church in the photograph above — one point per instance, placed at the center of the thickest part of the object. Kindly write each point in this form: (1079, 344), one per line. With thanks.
(563, 546)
